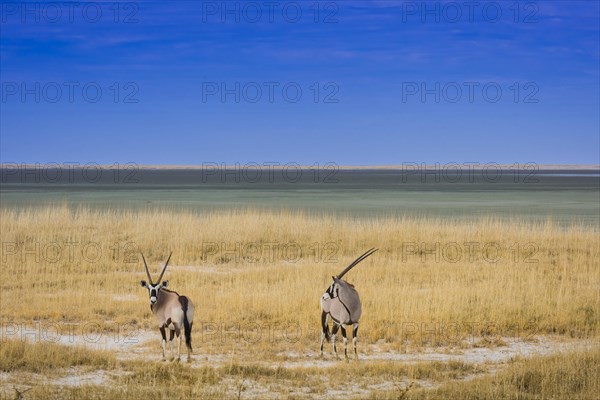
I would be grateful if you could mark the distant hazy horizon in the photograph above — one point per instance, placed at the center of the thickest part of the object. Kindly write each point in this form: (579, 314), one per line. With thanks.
(223, 164)
(564, 196)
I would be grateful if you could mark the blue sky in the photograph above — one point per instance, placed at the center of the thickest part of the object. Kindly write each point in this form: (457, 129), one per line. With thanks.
(170, 61)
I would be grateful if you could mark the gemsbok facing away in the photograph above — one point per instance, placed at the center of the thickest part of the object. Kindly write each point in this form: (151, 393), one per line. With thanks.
(342, 303)
(172, 311)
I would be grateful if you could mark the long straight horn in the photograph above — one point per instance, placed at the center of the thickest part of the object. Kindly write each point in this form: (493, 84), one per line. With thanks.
(359, 259)
(147, 272)
(164, 268)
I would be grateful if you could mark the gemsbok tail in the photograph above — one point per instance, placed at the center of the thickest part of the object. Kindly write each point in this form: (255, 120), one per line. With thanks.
(325, 325)
(187, 326)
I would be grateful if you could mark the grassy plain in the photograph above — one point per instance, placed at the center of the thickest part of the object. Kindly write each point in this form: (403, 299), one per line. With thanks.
(256, 277)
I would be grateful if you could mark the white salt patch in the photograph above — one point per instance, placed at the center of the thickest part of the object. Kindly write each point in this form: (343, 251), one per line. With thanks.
(125, 297)
(514, 348)
(98, 377)
(125, 344)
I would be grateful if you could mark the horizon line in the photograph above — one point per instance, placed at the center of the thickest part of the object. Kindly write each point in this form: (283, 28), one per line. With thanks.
(276, 165)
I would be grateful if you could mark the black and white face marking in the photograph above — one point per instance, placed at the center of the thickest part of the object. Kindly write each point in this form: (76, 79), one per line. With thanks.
(331, 291)
(153, 289)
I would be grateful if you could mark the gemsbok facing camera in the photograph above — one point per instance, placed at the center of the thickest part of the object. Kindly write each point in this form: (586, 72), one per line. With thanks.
(172, 311)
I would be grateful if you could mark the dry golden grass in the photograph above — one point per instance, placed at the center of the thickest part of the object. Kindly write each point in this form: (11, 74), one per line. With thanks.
(44, 357)
(139, 379)
(564, 376)
(254, 284)
(571, 375)
(82, 266)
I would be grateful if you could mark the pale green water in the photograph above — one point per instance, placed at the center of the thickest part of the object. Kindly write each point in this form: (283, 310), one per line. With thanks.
(561, 196)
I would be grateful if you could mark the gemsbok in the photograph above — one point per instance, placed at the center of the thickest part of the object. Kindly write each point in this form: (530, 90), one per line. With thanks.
(342, 303)
(172, 312)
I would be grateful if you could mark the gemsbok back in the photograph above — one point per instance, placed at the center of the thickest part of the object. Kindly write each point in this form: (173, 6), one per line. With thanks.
(172, 311)
(342, 303)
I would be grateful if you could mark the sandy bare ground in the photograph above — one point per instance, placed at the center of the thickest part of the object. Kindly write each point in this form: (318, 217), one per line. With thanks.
(144, 343)
(147, 344)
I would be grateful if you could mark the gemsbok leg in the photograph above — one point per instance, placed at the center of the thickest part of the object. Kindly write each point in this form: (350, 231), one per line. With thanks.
(325, 327)
(164, 342)
(336, 326)
(345, 341)
(178, 333)
(171, 336)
